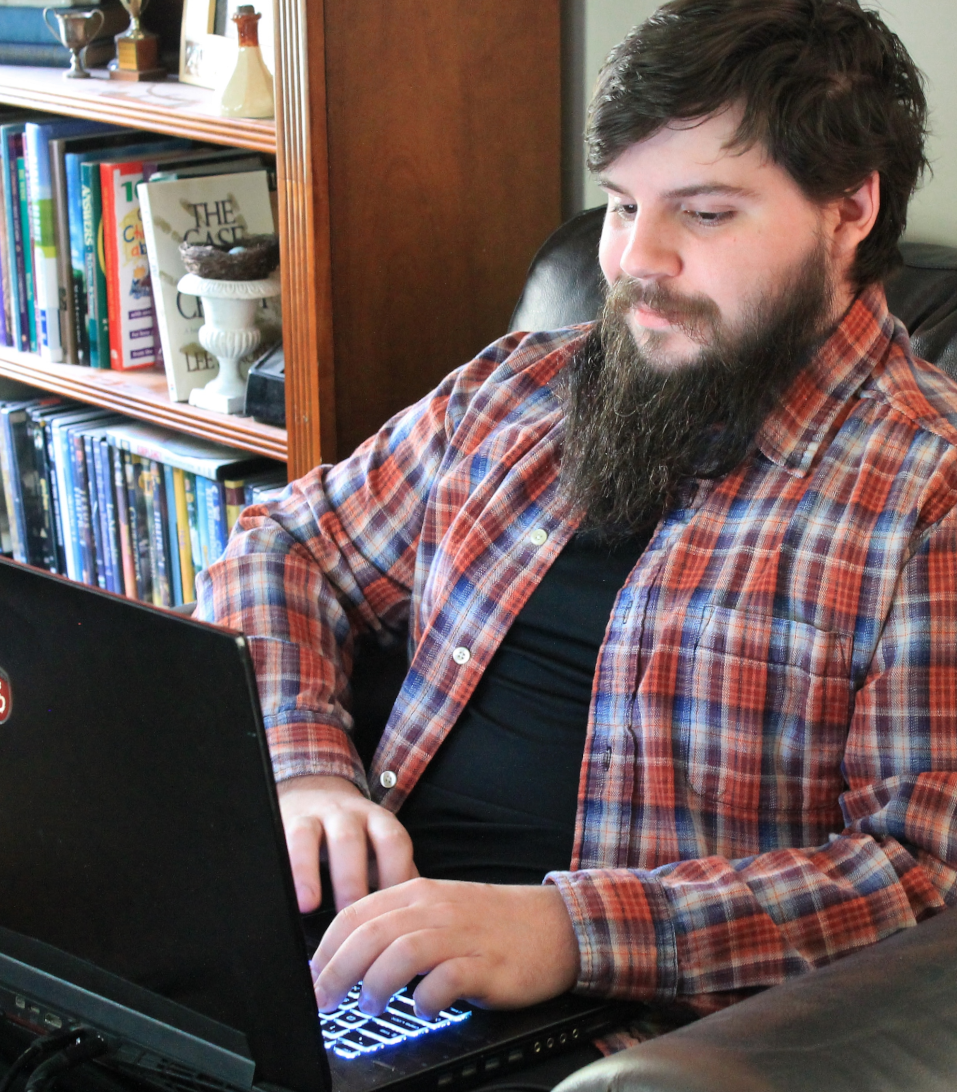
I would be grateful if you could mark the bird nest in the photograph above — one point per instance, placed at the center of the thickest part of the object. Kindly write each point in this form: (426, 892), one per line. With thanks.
(252, 259)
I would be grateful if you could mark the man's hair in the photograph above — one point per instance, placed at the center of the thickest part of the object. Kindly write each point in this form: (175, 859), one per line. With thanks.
(824, 86)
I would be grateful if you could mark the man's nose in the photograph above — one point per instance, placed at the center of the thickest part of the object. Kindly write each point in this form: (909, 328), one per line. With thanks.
(650, 252)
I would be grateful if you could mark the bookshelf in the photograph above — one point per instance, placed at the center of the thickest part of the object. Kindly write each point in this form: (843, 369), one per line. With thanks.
(417, 148)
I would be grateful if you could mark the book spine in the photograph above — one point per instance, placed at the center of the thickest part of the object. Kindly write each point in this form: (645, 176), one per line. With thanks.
(46, 291)
(192, 521)
(94, 263)
(130, 301)
(64, 479)
(162, 587)
(172, 534)
(183, 536)
(216, 507)
(111, 523)
(11, 487)
(55, 500)
(202, 521)
(234, 491)
(74, 202)
(64, 266)
(98, 566)
(81, 506)
(123, 522)
(6, 284)
(27, 252)
(51, 560)
(105, 554)
(139, 532)
(11, 205)
(36, 535)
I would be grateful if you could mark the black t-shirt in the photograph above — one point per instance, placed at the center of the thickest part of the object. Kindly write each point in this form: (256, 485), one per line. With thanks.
(497, 803)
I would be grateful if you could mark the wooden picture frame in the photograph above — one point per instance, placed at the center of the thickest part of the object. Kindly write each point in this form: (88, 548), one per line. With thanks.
(207, 47)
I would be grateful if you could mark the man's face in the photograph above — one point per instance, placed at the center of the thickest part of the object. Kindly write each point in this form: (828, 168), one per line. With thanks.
(698, 238)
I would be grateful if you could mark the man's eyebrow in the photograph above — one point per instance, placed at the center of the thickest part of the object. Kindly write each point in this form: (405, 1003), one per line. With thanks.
(710, 189)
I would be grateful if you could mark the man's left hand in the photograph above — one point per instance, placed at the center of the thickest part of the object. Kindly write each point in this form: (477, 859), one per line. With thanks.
(494, 945)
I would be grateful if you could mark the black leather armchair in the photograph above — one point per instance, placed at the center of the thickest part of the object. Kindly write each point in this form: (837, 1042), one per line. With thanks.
(884, 1019)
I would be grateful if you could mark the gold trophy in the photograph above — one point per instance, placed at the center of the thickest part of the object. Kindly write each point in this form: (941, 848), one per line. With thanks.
(77, 28)
(137, 50)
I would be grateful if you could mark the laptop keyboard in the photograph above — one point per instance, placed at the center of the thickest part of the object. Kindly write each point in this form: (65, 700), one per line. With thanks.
(349, 1032)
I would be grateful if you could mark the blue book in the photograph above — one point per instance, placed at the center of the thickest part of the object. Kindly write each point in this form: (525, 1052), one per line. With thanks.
(202, 521)
(27, 249)
(216, 509)
(108, 516)
(172, 536)
(11, 139)
(83, 513)
(100, 569)
(47, 287)
(162, 589)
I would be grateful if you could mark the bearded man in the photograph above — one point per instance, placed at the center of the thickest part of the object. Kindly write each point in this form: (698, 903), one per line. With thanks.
(680, 586)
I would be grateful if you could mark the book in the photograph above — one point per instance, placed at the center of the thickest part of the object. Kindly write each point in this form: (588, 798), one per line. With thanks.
(140, 529)
(123, 521)
(64, 265)
(172, 535)
(192, 517)
(8, 474)
(27, 250)
(25, 23)
(40, 423)
(191, 453)
(53, 55)
(159, 547)
(219, 209)
(11, 202)
(184, 536)
(129, 293)
(216, 517)
(47, 287)
(6, 293)
(96, 317)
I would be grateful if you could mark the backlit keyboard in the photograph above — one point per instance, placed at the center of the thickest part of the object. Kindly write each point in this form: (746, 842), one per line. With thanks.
(349, 1032)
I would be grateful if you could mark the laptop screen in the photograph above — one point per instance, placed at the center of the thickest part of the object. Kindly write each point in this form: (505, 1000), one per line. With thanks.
(139, 829)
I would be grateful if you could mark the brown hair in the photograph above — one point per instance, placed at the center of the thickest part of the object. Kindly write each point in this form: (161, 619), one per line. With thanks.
(824, 86)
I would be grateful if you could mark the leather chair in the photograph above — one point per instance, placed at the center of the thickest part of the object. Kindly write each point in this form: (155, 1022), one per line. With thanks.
(883, 1019)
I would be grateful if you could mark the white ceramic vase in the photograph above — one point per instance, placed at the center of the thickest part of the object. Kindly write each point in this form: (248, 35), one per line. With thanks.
(229, 333)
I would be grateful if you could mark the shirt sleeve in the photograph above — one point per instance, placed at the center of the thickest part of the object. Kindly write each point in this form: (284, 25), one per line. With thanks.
(700, 928)
(335, 556)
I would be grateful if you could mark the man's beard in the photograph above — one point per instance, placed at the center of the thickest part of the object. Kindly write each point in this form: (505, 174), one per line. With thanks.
(636, 430)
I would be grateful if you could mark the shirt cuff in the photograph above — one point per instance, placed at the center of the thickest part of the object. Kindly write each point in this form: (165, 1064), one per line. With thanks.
(626, 938)
(302, 748)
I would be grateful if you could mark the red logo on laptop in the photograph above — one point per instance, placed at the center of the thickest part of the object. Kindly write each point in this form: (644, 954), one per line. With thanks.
(6, 703)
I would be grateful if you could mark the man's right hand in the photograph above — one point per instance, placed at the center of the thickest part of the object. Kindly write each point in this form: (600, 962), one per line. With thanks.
(330, 813)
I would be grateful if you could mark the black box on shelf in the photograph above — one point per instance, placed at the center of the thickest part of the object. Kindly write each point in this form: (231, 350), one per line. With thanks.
(266, 388)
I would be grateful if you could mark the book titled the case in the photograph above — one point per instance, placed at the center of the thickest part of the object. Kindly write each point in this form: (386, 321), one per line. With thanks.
(216, 209)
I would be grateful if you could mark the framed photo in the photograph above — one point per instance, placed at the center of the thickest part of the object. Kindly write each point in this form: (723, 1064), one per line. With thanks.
(207, 45)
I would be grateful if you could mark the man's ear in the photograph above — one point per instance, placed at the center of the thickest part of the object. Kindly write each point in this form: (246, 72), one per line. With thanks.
(853, 216)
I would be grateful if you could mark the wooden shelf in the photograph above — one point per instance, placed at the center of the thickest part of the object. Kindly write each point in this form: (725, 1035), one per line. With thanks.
(163, 107)
(143, 394)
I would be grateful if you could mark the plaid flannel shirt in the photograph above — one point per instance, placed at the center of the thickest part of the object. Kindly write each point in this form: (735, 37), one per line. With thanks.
(768, 778)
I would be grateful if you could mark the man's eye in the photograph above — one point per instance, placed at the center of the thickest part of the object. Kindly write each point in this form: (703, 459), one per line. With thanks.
(709, 219)
(623, 210)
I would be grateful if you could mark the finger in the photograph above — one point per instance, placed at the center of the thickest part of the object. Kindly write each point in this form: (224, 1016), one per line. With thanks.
(393, 849)
(451, 980)
(384, 953)
(303, 840)
(346, 848)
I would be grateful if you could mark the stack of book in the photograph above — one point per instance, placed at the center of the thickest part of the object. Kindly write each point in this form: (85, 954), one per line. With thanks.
(87, 275)
(129, 507)
(26, 39)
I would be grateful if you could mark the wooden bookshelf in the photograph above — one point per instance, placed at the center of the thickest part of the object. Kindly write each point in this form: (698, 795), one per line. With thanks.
(417, 149)
(142, 393)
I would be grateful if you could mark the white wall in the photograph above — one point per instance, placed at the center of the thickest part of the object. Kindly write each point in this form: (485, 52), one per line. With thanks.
(926, 28)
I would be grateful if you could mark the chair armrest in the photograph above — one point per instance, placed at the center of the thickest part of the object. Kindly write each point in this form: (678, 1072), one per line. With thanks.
(881, 1020)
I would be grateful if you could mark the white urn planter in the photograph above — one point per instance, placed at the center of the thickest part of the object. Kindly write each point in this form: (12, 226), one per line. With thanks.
(229, 333)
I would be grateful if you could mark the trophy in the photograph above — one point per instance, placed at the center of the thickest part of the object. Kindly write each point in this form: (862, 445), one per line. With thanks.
(77, 28)
(137, 50)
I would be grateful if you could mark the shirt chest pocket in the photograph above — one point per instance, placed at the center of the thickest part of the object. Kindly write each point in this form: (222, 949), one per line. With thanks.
(763, 712)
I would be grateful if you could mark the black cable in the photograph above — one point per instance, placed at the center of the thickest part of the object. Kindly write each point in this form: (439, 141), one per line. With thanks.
(38, 1050)
(87, 1045)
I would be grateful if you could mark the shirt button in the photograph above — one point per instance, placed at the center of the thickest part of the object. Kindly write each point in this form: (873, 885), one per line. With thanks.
(538, 537)
(387, 779)
(461, 655)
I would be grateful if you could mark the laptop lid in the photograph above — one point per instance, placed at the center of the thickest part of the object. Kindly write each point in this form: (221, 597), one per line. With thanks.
(146, 886)
(141, 847)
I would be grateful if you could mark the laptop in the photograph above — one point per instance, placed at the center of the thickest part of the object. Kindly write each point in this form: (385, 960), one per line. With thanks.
(145, 889)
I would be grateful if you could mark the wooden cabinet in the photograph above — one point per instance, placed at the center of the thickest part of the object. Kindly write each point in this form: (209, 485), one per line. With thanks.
(417, 146)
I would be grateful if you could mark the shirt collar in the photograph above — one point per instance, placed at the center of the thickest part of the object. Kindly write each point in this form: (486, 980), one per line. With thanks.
(794, 429)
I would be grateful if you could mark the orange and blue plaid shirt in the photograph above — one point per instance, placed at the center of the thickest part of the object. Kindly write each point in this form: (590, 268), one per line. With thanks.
(769, 776)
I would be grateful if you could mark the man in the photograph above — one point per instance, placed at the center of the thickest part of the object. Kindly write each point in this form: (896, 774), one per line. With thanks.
(680, 587)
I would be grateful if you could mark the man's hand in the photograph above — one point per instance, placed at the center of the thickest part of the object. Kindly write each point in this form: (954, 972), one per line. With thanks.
(330, 813)
(496, 946)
